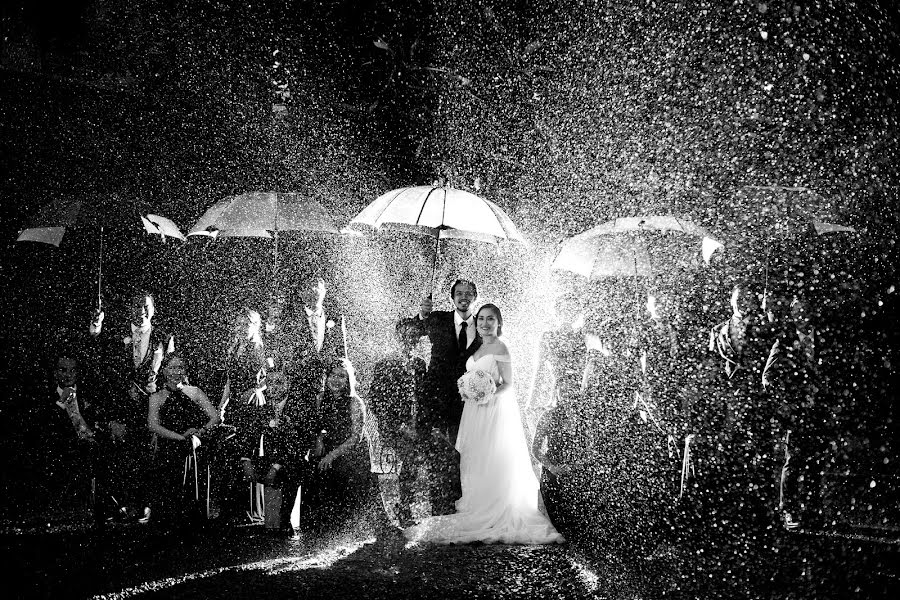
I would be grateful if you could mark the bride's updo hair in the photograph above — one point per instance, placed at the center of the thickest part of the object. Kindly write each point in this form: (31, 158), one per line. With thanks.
(499, 316)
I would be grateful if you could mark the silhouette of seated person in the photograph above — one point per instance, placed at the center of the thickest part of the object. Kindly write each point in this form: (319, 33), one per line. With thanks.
(395, 395)
(61, 426)
(344, 490)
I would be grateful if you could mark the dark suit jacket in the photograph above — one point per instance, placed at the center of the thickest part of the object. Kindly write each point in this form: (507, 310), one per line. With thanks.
(304, 359)
(396, 392)
(53, 436)
(442, 406)
(114, 371)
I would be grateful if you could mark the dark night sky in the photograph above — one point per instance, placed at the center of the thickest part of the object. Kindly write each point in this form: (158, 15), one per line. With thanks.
(567, 114)
(171, 100)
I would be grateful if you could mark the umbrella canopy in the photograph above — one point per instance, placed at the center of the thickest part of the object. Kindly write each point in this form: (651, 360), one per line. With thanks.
(50, 223)
(778, 213)
(790, 227)
(96, 213)
(438, 211)
(157, 225)
(263, 214)
(635, 246)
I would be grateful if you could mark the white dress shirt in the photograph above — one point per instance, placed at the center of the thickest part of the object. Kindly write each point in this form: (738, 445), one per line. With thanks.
(140, 341)
(470, 327)
(316, 322)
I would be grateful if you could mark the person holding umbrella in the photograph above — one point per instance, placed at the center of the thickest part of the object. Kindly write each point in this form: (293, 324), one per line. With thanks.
(147, 343)
(453, 339)
(134, 372)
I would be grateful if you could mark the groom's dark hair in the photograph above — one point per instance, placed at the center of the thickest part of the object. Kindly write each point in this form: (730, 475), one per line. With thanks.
(465, 281)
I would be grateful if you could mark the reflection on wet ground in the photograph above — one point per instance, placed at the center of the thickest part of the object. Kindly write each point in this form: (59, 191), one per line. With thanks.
(125, 561)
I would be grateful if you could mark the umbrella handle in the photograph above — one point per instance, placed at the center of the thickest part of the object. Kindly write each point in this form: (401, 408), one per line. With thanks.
(437, 251)
(100, 273)
(275, 265)
(763, 302)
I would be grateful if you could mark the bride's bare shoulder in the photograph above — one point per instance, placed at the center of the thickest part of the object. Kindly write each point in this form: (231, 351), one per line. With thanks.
(501, 351)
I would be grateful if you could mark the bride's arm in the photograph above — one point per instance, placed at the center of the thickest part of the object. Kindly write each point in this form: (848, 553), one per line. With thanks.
(504, 365)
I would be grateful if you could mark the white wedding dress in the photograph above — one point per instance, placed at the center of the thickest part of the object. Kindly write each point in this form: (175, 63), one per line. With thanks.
(499, 501)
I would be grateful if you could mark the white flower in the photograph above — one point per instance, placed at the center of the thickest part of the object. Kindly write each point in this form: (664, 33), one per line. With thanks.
(126, 340)
(478, 386)
(329, 323)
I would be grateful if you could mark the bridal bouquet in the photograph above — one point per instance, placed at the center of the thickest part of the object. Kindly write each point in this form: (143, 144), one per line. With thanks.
(477, 386)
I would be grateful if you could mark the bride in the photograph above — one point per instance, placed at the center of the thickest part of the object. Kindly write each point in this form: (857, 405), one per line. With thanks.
(499, 502)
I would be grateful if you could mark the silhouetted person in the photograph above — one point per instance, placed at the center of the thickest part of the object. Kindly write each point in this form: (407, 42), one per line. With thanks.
(131, 364)
(395, 395)
(180, 417)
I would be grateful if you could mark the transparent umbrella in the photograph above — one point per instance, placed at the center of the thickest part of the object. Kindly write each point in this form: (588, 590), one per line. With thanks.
(635, 246)
(440, 212)
(264, 215)
(96, 213)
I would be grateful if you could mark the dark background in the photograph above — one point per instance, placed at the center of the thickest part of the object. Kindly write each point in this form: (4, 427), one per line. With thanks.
(566, 114)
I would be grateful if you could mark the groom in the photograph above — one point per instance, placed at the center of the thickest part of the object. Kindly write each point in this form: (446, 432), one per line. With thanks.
(454, 339)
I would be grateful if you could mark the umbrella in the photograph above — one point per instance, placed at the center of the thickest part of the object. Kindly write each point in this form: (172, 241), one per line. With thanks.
(787, 215)
(157, 225)
(263, 215)
(50, 224)
(441, 212)
(631, 246)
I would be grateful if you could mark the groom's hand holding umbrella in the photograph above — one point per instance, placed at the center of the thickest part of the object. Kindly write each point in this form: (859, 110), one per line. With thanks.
(425, 307)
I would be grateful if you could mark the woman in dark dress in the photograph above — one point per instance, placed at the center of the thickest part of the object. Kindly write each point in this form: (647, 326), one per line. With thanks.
(345, 487)
(555, 447)
(180, 416)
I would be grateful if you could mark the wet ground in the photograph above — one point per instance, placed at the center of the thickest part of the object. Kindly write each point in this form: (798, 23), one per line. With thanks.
(56, 560)
(130, 561)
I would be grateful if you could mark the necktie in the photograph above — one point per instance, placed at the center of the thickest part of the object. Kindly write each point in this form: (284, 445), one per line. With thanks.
(463, 338)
